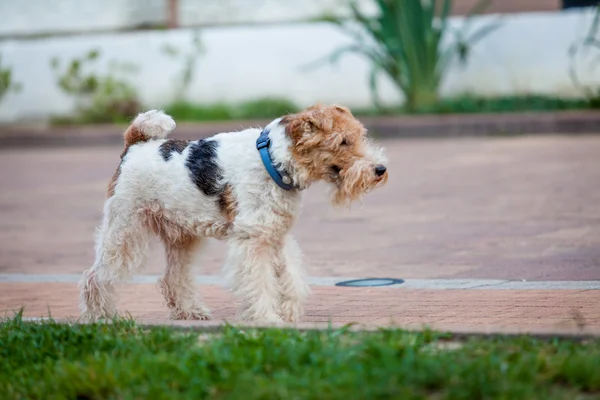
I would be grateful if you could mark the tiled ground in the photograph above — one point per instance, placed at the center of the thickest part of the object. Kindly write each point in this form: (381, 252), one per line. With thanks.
(479, 310)
(500, 208)
(490, 208)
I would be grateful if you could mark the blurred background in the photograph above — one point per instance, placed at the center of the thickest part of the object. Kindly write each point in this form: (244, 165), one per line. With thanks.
(68, 61)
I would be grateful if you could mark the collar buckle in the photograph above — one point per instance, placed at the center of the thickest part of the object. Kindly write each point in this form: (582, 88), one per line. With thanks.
(263, 141)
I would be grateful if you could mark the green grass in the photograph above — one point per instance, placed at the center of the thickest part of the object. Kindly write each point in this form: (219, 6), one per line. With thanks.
(122, 360)
(477, 105)
(471, 104)
(267, 108)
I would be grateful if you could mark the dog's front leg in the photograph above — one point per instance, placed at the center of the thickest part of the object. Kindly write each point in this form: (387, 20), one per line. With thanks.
(292, 280)
(251, 264)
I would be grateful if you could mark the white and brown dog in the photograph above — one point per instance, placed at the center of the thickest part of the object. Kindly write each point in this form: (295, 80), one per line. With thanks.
(243, 187)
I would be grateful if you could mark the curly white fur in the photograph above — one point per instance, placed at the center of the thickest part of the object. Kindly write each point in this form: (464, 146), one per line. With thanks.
(154, 123)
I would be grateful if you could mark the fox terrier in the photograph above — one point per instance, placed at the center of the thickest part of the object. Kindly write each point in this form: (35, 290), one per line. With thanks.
(243, 187)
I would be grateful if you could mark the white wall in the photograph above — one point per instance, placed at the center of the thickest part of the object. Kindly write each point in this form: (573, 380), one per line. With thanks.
(20, 17)
(528, 54)
(55, 16)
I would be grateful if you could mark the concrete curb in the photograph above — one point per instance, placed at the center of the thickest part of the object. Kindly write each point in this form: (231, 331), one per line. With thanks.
(454, 125)
(419, 284)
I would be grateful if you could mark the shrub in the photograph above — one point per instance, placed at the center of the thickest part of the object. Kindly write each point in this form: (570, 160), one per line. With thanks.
(404, 41)
(267, 107)
(7, 82)
(185, 77)
(503, 104)
(591, 42)
(263, 108)
(99, 98)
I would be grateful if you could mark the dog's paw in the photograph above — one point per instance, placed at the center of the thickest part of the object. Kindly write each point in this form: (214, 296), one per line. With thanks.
(291, 310)
(249, 316)
(270, 318)
(190, 315)
(97, 315)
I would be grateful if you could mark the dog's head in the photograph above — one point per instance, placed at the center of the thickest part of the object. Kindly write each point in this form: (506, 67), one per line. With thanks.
(330, 145)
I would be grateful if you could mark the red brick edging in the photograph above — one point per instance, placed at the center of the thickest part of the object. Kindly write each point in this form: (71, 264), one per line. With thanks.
(540, 312)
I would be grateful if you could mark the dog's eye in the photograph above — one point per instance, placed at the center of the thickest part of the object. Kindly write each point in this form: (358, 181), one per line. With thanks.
(336, 169)
(344, 142)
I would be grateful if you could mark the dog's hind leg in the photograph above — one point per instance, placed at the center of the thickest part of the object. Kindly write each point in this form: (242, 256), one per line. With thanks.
(121, 244)
(292, 281)
(177, 284)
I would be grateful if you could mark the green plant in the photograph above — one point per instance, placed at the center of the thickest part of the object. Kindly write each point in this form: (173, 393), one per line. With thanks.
(99, 98)
(7, 82)
(473, 104)
(591, 41)
(502, 104)
(119, 359)
(267, 108)
(404, 41)
(190, 59)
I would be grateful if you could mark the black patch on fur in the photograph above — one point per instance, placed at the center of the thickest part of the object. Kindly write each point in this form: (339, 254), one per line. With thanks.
(167, 148)
(204, 170)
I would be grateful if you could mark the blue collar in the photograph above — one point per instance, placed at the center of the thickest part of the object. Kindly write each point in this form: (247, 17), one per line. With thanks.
(262, 145)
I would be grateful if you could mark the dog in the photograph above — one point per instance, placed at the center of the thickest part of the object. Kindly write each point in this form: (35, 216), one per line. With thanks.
(243, 187)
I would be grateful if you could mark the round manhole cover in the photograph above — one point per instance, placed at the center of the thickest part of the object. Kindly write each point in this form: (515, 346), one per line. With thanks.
(371, 282)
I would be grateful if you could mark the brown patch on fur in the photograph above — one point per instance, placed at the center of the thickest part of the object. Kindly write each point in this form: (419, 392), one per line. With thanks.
(321, 131)
(157, 219)
(329, 144)
(286, 219)
(163, 223)
(113, 182)
(172, 145)
(227, 203)
(132, 135)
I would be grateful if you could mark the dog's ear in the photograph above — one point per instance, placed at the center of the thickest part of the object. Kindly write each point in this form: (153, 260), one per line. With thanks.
(296, 127)
(332, 109)
(314, 107)
(313, 120)
(305, 125)
(318, 125)
(342, 109)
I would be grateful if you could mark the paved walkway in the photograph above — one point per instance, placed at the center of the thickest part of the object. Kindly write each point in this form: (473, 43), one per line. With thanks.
(560, 311)
(525, 208)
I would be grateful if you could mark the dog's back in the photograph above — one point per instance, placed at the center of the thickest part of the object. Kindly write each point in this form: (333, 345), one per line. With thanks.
(172, 182)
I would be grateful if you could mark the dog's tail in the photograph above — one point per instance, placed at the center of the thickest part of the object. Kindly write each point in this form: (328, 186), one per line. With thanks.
(153, 124)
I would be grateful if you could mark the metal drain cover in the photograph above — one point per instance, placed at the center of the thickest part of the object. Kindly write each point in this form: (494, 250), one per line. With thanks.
(370, 282)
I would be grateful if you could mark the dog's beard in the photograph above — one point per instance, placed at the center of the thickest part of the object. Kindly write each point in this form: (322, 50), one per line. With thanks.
(355, 182)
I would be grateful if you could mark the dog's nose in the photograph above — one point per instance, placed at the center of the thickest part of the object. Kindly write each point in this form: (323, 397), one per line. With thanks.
(380, 170)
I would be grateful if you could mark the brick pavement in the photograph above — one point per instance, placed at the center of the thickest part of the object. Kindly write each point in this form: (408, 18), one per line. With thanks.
(558, 311)
(494, 208)
(490, 208)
